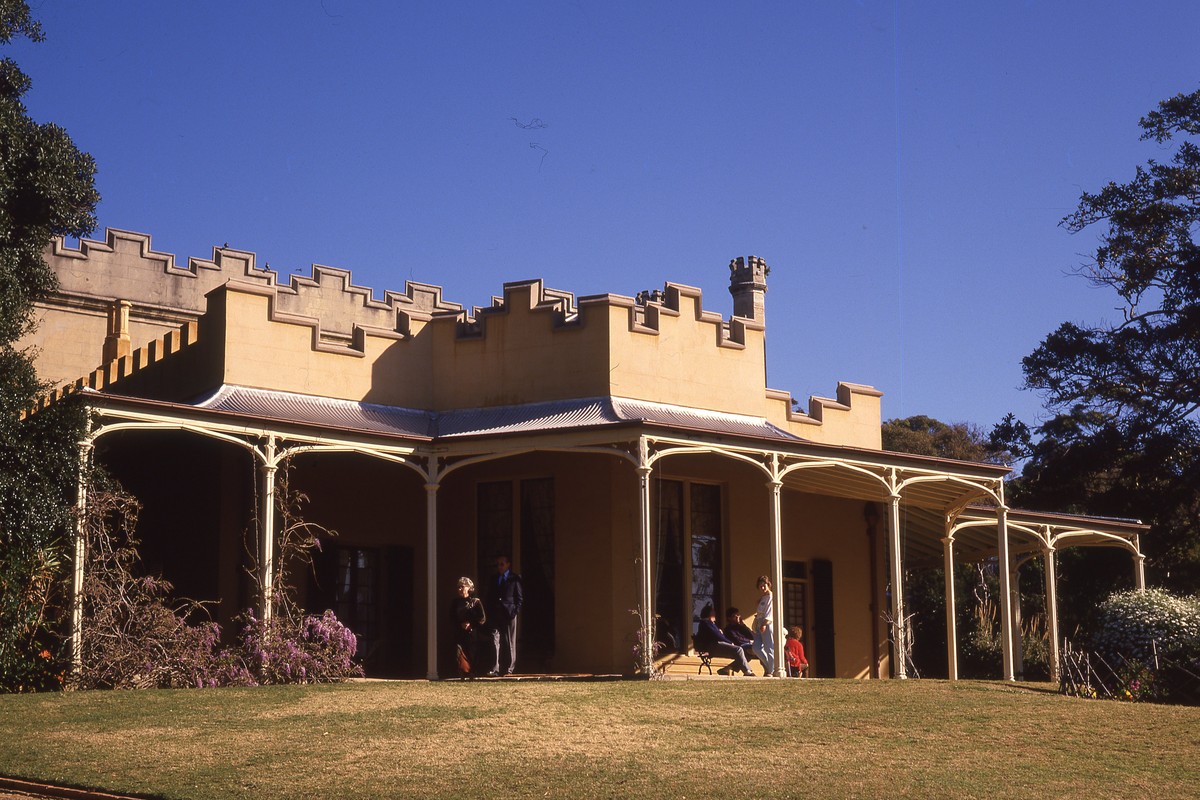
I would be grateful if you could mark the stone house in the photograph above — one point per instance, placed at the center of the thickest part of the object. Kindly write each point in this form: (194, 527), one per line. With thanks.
(626, 451)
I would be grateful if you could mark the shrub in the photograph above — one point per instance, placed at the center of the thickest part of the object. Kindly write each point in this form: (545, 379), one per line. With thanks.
(1149, 645)
(134, 635)
(1140, 625)
(317, 649)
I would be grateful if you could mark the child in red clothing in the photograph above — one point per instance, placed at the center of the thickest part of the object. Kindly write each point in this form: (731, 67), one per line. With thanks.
(796, 661)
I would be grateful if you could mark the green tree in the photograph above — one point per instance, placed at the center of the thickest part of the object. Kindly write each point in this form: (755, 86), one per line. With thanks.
(926, 436)
(46, 190)
(1124, 440)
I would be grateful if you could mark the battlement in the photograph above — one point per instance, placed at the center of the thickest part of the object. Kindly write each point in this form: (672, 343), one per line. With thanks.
(126, 267)
(649, 307)
(119, 369)
(529, 295)
(156, 292)
(752, 270)
(124, 279)
(323, 335)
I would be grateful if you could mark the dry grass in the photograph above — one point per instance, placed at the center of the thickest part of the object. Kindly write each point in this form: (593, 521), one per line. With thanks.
(729, 738)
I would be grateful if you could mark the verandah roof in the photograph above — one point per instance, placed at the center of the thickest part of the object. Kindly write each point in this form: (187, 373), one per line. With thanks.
(930, 498)
(937, 491)
(462, 423)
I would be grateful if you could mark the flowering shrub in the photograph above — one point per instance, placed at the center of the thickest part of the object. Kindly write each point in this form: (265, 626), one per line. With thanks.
(1146, 646)
(1140, 625)
(135, 636)
(316, 649)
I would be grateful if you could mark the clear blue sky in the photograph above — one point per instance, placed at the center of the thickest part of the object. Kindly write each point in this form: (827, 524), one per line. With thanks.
(901, 166)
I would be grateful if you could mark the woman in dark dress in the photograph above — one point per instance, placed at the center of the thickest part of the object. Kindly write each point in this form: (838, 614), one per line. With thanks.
(469, 616)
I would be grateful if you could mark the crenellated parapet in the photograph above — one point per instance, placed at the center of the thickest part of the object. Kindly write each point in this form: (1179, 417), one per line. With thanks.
(531, 295)
(119, 293)
(124, 368)
(137, 312)
(650, 307)
(126, 267)
(853, 417)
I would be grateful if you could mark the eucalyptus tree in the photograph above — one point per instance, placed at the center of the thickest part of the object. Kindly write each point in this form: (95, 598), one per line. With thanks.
(1124, 436)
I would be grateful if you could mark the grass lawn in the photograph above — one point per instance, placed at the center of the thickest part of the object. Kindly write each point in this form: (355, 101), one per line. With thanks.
(726, 738)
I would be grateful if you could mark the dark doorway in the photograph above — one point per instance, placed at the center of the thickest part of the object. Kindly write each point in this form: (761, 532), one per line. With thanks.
(669, 622)
(823, 664)
(516, 518)
(536, 631)
(371, 591)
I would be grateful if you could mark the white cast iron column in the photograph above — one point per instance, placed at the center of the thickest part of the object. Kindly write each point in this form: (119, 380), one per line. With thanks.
(777, 576)
(1018, 646)
(431, 593)
(1006, 626)
(1139, 572)
(1052, 609)
(646, 604)
(951, 621)
(81, 501)
(267, 529)
(899, 633)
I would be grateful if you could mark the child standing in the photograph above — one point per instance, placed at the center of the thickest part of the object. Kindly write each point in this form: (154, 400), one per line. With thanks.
(794, 649)
(764, 638)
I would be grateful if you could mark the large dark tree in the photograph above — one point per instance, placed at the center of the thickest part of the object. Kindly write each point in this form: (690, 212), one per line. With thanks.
(1124, 440)
(46, 190)
(927, 436)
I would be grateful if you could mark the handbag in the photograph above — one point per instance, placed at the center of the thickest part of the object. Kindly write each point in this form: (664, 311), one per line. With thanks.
(464, 665)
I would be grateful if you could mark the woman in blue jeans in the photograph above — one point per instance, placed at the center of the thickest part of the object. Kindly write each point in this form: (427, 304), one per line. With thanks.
(764, 636)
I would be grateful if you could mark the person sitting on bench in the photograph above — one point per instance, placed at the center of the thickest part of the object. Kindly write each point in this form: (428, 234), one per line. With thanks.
(739, 632)
(709, 639)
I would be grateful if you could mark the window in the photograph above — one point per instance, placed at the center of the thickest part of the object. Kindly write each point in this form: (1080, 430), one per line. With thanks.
(355, 595)
(517, 518)
(795, 597)
(688, 558)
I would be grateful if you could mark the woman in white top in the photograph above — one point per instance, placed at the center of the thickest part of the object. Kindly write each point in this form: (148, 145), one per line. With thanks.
(764, 636)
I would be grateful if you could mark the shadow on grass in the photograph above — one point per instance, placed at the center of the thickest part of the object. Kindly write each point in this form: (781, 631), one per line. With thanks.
(1040, 687)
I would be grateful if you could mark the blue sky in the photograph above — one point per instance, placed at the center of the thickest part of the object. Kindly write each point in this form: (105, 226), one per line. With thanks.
(901, 166)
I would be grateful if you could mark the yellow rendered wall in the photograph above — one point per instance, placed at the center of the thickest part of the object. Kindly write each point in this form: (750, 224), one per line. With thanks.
(683, 365)
(625, 551)
(856, 426)
(280, 356)
(69, 343)
(833, 529)
(594, 567)
(521, 356)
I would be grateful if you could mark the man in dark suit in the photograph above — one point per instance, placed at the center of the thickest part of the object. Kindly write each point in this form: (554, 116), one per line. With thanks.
(503, 603)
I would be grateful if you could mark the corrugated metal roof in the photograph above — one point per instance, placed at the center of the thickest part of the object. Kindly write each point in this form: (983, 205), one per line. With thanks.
(528, 418)
(698, 419)
(323, 411)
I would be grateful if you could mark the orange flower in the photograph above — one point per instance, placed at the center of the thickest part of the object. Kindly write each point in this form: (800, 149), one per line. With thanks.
(45, 654)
